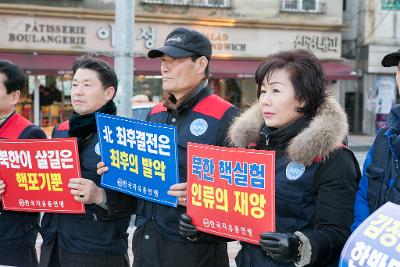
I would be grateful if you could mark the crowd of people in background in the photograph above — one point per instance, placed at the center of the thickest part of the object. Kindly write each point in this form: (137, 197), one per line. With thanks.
(294, 116)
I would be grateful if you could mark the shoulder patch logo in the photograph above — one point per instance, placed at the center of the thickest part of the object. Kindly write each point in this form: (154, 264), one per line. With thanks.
(294, 170)
(97, 149)
(198, 127)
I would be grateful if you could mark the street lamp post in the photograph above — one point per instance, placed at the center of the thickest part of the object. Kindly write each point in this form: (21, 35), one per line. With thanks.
(124, 54)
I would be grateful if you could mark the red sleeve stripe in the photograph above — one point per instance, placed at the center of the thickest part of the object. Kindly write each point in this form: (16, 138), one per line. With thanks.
(213, 106)
(158, 109)
(63, 126)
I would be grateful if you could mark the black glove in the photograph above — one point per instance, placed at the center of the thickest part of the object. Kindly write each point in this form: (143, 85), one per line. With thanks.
(186, 228)
(281, 246)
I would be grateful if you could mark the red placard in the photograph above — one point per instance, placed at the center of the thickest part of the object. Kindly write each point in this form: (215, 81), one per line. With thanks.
(231, 191)
(37, 172)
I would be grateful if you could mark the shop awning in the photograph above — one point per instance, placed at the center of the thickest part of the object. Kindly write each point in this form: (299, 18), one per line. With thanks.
(233, 68)
(51, 64)
(333, 70)
(338, 71)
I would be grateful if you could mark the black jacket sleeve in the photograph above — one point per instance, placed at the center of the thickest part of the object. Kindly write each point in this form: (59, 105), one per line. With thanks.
(118, 205)
(335, 185)
(33, 132)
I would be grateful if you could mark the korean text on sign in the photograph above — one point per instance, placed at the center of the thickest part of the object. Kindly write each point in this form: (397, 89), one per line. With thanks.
(37, 173)
(231, 191)
(141, 156)
(376, 242)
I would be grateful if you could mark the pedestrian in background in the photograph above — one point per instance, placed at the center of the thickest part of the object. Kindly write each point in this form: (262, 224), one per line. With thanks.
(54, 94)
(380, 178)
(98, 237)
(200, 117)
(18, 230)
(315, 176)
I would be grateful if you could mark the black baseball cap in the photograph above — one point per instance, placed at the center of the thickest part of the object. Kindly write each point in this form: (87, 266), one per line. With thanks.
(183, 42)
(391, 59)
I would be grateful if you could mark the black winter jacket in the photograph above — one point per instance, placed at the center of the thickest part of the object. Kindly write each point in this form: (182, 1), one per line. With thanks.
(317, 203)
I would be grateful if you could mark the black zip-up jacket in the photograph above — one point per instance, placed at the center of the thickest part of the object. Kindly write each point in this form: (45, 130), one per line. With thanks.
(98, 231)
(315, 183)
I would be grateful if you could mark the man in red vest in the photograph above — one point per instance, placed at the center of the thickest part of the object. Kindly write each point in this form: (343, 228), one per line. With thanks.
(18, 230)
(200, 117)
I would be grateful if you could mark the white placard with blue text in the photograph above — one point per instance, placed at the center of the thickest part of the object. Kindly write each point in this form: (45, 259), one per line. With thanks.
(141, 156)
(375, 242)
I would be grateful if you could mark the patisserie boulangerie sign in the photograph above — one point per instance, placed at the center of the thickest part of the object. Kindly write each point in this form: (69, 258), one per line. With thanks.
(39, 33)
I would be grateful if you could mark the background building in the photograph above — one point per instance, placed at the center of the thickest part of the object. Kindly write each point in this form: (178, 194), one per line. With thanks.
(44, 37)
(374, 31)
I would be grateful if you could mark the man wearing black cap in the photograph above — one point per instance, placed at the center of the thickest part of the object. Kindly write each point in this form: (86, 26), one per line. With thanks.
(380, 181)
(200, 117)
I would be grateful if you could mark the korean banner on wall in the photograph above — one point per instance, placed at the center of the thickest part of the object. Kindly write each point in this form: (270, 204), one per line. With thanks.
(141, 156)
(37, 173)
(231, 191)
(376, 242)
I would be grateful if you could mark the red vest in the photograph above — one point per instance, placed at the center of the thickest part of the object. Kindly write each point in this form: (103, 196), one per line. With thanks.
(14, 126)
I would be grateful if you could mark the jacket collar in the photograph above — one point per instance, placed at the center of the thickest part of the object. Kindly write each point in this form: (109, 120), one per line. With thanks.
(272, 138)
(394, 118)
(5, 118)
(194, 97)
(393, 133)
(199, 93)
(325, 132)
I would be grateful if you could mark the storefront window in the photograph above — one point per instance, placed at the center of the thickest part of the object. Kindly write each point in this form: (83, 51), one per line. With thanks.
(241, 92)
(150, 86)
(54, 99)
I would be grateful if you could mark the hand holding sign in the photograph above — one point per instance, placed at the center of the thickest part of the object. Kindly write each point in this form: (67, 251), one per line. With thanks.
(179, 191)
(186, 228)
(86, 191)
(281, 246)
(101, 168)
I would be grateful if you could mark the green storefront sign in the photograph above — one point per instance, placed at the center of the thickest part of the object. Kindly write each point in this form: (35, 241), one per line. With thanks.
(391, 4)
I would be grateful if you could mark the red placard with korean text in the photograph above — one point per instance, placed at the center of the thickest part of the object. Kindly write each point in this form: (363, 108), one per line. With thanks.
(231, 191)
(36, 173)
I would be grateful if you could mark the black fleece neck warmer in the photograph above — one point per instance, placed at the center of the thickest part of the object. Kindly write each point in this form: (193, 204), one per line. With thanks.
(280, 138)
(81, 126)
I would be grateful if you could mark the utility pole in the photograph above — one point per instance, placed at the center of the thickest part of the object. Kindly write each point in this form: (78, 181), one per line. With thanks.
(124, 54)
(36, 103)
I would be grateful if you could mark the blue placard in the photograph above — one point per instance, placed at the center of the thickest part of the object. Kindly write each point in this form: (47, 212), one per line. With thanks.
(376, 242)
(141, 156)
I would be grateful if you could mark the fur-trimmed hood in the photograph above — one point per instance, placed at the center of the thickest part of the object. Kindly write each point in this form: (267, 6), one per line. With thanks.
(325, 133)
